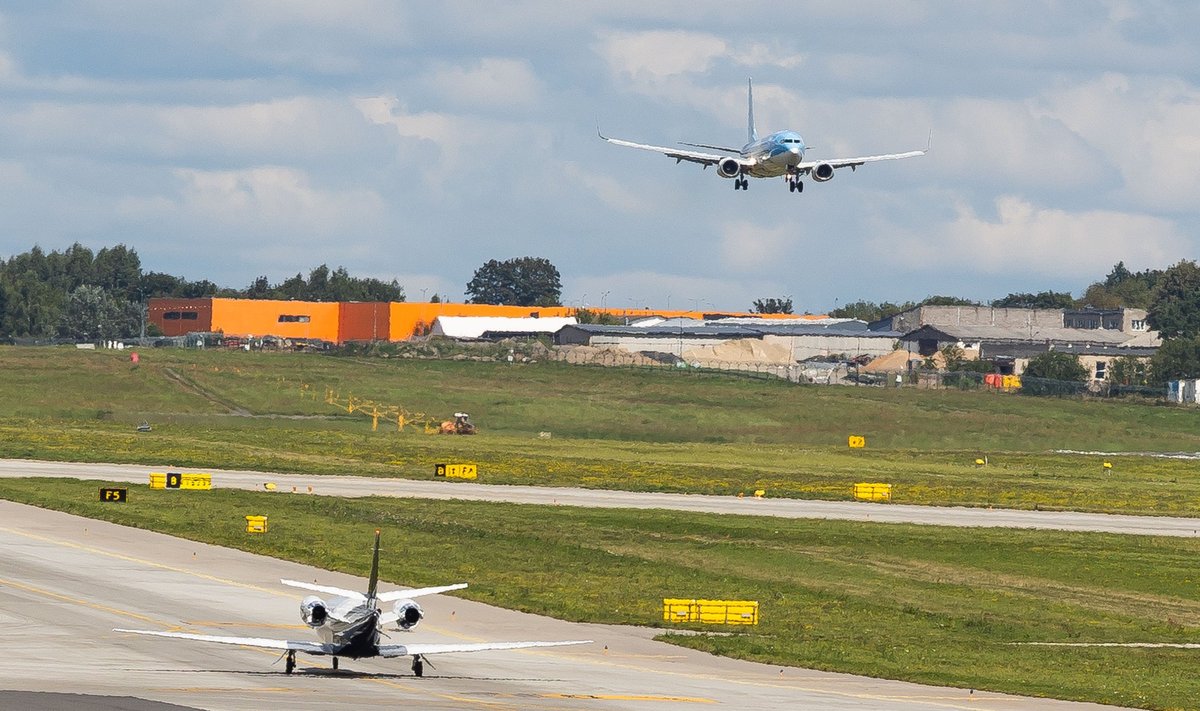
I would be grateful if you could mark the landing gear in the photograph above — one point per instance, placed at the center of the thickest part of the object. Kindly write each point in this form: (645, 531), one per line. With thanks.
(795, 186)
(335, 663)
(741, 184)
(418, 666)
(290, 665)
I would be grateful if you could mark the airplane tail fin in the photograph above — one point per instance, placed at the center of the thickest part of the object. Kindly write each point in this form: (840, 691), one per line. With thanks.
(373, 582)
(751, 134)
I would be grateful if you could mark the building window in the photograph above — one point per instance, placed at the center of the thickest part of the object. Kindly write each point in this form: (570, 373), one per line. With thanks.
(171, 316)
(290, 318)
(1138, 324)
(1101, 367)
(190, 316)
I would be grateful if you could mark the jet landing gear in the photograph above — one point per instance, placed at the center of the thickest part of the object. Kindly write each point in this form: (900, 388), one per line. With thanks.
(741, 184)
(290, 665)
(418, 666)
(795, 185)
(335, 663)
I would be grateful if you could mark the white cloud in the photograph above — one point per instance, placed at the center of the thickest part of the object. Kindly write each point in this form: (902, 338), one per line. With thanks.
(614, 193)
(1024, 239)
(278, 201)
(748, 247)
(489, 83)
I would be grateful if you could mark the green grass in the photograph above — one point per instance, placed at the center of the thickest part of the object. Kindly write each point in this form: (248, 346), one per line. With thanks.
(926, 604)
(639, 430)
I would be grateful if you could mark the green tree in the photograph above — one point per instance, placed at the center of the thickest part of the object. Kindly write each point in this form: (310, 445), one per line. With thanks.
(1128, 371)
(869, 310)
(939, 300)
(1175, 303)
(1176, 358)
(1122, 288)
(1054, 373)
(119, 271)
(92, 314)
(772, 306)
(525, 281)
(597, 317)
(1040, 300)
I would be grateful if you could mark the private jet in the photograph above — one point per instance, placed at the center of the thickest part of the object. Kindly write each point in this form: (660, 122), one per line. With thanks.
(350, 623)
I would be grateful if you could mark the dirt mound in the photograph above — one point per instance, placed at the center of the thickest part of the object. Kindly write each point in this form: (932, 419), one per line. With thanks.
(745, 350)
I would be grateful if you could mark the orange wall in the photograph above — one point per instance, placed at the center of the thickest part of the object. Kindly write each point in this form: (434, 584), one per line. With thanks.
(253, 317)
(341, 322)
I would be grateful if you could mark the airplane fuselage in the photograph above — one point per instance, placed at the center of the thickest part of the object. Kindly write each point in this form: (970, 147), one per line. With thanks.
(775, 155)
(353, 628)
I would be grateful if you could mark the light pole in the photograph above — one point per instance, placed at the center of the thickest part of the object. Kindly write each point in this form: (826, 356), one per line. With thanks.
(603, 299)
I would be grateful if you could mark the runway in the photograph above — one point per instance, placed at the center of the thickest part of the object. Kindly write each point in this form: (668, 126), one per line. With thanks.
(602, 498)
(66, 581)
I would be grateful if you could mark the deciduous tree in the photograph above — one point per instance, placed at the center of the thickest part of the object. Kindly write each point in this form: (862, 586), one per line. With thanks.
(524, 281)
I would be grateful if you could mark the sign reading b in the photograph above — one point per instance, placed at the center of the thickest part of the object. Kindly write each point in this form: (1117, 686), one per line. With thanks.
(174, 480)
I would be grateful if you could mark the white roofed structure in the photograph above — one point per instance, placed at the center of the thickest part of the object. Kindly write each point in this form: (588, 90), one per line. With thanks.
(477, 326)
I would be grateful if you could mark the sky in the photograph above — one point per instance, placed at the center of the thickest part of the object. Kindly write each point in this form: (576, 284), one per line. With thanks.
(416, 141)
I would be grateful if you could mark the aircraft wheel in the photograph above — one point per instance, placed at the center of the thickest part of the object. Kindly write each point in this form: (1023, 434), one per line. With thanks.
(799, 186)
(791, 186)
(737, 184)
(335, 662)
(290, 665)
(418, 667)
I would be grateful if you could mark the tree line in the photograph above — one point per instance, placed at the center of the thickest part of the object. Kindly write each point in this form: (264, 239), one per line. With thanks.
(84, 295)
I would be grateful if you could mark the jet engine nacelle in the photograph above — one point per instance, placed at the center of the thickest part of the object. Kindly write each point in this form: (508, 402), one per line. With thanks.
(313, 611)
(729, 168)
(822, 172)
(408, 614)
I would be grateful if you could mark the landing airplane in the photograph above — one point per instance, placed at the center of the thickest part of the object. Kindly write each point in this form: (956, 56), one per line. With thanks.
(780, 153)
(349, 625)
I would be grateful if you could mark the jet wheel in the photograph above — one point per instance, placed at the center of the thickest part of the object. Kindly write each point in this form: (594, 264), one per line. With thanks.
(418, 667)
(290, 665)
(335, 662)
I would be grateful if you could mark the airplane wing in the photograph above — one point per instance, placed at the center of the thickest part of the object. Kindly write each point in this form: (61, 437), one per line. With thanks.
(418, 592)
(351, 594)
(421, 649)
(808, 165)
(282, 644)
(705, 159)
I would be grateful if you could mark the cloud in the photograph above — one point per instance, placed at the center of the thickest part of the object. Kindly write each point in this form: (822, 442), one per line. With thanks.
(650, 57)
(1024, 239)
(748, 247)
(491, 83)
(270, 200)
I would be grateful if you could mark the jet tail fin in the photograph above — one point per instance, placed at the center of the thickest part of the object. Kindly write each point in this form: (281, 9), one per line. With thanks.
(751, 134)
(373, 582)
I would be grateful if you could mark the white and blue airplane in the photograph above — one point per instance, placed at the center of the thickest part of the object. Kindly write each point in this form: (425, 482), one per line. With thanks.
(350, 624)
(779, 154)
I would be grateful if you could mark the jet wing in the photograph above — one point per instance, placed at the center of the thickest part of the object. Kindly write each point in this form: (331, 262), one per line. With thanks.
(421, 649)
(418, 592)
(705, 159)
(808, 165)
(282, 644)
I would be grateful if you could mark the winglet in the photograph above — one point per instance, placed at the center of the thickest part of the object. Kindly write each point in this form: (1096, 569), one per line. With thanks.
(601, 135)
(373, 583)
(929, 143)
(751, 134)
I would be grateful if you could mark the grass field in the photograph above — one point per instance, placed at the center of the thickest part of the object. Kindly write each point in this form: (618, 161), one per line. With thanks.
(624, 429)
(926, 604)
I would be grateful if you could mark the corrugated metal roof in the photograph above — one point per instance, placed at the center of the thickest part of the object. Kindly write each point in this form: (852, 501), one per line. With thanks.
(1030, 334)
(735, 330)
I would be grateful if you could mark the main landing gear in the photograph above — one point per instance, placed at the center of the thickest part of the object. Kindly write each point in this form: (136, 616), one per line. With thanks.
(335, 663)
(741, 184)
(290, 666)
(795, 185)
(418, 666)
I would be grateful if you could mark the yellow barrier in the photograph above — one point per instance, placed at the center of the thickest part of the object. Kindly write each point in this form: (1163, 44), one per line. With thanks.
(256, 524)
(456, 471)
(873, 492)
(175, 480)
(711, 612)
(856, 441)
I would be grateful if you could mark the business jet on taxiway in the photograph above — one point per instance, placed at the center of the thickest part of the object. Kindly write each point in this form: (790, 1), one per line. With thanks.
(779, 154)
(349, 625)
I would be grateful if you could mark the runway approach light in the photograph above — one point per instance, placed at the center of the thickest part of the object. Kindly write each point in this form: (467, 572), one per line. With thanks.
(1108, 465)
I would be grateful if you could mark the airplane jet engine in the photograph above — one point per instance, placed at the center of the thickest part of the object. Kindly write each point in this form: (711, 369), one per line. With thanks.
(408, 614)
(729, 168)
(822, 172)
(313, 611)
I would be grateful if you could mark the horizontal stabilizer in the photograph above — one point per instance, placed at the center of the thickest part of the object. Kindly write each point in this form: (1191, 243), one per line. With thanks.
(340, 592)
(418, 592)
(404, 650)
(282, 644)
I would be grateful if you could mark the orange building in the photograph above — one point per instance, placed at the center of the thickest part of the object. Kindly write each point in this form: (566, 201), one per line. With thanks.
(339, 322)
